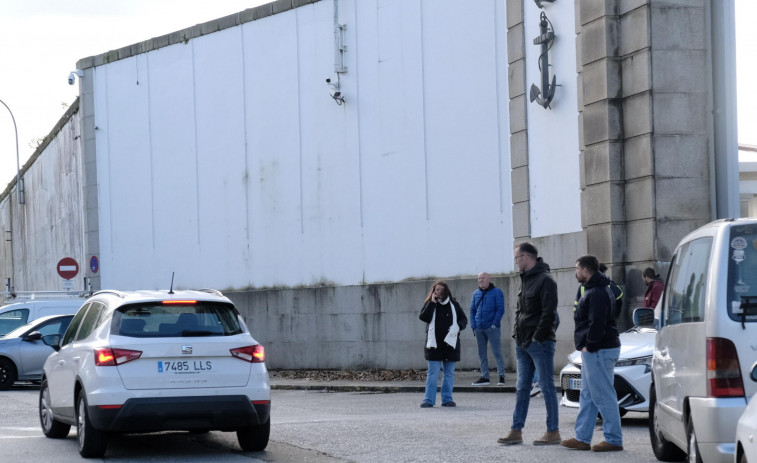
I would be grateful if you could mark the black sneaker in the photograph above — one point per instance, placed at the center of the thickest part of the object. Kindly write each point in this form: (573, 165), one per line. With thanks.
(481, 382)
(501, 381)
(451, 403)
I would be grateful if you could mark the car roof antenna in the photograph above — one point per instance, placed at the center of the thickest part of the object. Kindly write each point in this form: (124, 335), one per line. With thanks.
(170, 291)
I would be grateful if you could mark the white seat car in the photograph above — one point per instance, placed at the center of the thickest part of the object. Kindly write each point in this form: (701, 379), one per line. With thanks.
(705, 346)
(146, 361)
(632, 372)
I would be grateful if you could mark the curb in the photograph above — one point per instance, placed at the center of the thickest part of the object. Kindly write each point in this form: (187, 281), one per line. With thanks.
(388, 389)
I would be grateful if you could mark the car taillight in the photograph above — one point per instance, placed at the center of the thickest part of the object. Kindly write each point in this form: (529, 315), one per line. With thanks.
(723, 369)
(107, 357)
(252, 354)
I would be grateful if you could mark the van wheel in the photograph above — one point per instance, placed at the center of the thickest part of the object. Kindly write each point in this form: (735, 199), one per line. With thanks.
(7, 374)
(51, 427)
(92, 442)
(254, 438)
(693, 448)
(663, 449)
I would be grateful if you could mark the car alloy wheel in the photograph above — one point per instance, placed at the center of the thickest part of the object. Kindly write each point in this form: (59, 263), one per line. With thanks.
(92, 442)
(7, 374)
(51, 427)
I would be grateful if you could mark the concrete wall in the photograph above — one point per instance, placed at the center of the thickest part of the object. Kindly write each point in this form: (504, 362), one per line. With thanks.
(223, 158)
(216, 152)
(49, 225)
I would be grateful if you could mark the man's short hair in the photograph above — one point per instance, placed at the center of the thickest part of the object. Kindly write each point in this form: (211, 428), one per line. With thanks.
(588, 262)
(649, 273)
(528, 248)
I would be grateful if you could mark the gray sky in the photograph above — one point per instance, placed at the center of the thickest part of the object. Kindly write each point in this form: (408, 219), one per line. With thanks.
(41, 41)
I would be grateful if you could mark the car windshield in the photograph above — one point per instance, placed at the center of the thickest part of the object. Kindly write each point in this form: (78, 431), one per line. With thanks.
(742, 273)
(176, 319)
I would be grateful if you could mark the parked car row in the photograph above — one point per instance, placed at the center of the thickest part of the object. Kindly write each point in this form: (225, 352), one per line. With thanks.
(691, 362)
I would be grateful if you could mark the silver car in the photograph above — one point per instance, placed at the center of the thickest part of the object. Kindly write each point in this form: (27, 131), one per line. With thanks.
(22, 352)
(705, 346)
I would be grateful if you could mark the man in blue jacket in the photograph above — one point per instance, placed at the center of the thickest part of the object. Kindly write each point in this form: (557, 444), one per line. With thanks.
(486, 310)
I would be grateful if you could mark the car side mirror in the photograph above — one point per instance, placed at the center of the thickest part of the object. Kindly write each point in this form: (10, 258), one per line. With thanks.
(644, 316)
(754, 372)
(52, 340)
(33, 336)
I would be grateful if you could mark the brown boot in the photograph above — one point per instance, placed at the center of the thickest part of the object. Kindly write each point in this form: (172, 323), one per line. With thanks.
(549, 438)
(574, 444)
(514, 437)
(605, 446)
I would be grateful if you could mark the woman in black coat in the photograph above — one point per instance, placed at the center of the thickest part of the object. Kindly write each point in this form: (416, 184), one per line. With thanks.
(445, 320)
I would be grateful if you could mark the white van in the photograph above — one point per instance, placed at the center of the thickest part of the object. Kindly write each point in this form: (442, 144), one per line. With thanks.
(22, 310)
(706, 343)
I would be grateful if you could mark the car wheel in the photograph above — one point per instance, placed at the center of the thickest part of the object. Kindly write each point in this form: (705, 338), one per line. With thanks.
(663, 449)
(51, 427)
(92, 442)
(693, 448)
(254, 438)
(7, 374)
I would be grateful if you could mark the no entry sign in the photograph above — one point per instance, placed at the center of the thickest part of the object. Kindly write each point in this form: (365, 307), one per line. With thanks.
(67, 268)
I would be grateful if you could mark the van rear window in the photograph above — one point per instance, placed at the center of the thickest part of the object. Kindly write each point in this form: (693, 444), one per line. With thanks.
(742, 273)
(155, 319)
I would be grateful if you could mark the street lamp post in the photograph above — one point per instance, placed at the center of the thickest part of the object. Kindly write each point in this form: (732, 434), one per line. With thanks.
(19, 181)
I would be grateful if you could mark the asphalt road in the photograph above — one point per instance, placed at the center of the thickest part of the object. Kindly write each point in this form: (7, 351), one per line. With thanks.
(317, 426)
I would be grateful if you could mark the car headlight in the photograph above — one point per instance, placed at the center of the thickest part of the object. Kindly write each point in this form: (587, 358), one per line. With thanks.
(646, 361)
(575, 358)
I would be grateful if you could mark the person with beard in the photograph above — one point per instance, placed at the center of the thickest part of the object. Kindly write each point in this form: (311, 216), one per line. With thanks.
(534, 334)
(445, 320)
(596, 337)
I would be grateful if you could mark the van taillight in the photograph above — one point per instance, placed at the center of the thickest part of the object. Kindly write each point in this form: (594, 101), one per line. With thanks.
(723, 369)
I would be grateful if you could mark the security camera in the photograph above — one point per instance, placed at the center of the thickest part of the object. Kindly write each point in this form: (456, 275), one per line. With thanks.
(335, 93)
(73, 75)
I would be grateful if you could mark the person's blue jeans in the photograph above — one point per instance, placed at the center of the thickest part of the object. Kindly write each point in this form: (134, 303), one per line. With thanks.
(598, 394)
(492, 335)
(537, 357)
(432, 379)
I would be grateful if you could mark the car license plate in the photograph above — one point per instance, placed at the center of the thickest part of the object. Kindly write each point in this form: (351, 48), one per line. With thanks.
(575, 383)
(184, 366)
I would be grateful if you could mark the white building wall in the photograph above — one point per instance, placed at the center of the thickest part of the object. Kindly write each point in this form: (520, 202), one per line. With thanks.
(553, 133)
(225, 160)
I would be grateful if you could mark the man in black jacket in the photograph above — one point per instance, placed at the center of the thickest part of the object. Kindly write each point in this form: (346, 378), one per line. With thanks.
(596, 336)
(534, 335)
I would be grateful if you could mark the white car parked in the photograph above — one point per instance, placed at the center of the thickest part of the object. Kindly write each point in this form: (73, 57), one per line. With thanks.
(705, 345)
(146, 361)
(632, 372)
(746, 430)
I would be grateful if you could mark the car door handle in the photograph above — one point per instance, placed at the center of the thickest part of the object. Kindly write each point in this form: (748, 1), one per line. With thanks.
(75, 359)
(61, 362)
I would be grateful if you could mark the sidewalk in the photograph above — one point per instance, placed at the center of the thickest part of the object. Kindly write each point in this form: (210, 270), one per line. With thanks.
(463, 383)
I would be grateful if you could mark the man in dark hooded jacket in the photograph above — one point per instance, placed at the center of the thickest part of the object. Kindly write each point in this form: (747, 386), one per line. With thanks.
(534, 335)
(596, 337)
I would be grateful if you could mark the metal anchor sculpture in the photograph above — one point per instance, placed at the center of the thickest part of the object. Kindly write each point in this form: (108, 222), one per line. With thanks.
(545, 39)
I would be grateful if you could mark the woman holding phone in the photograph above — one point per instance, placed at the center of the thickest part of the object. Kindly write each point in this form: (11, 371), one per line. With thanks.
(445, 320)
